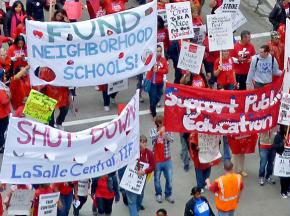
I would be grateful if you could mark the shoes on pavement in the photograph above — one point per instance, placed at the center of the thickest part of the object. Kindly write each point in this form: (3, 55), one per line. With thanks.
(170, 199)
(244, 174)
(60, 127)
(107, 108)
(284, 196)
(270, 180)
(142, 208)
(262, 181)
(159, 198)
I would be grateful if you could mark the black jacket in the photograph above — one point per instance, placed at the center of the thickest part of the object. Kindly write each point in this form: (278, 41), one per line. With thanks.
(278, 144)
(189, 207)
(278, 15)
(34, 9)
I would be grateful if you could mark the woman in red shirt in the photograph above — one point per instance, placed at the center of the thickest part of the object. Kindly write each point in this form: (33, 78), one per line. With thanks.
(42, 189)
(156, 77)
(4, 110)
(18, 52)
(224, 71)
(103, 190)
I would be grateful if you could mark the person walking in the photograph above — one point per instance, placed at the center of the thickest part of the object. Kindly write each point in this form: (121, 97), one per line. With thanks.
(197, 205)
(227, 189)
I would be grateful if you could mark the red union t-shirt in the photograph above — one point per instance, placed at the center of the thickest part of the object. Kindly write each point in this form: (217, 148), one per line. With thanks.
(226, 76)
(114, 6)
(245, 51)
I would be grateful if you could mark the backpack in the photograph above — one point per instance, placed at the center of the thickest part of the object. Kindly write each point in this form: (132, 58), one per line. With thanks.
(259, 59)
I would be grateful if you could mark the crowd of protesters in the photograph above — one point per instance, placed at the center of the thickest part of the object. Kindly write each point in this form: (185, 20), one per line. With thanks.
(237, 69)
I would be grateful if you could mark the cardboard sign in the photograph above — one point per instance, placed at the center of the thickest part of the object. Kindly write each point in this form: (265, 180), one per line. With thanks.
(286, 82)
(199, 34)
(282, 164)
(191, 56)
(179, 20)
(117, 86)
(48, 204)
(131, 181)
(21, 202)
(220, 33)
(94, 52)
(284, 112)
(73, 9)
(230, 6)
(162, 13)
(39, 106)
(208, 148)
(83, 187)
(36, 153)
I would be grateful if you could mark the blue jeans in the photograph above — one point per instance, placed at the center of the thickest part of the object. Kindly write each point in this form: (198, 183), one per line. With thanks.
(267, 157)
(155, 93)
(134, 202)
(166, 168)
(229, 213)
(66, 201)
(227, 152)
(184, 150)
(201, 176)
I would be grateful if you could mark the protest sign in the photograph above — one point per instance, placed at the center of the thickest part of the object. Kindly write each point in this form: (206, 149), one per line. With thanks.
(243, 144)
(162, 13)
(209, 150)
(284, 112)
(21, 202)
(39, 106)
(48, 204)
(179, 20)
(191, 56)
(131, 181)
(200, 110)
(36, 153)
(117, 86)
(220, 33)
(286, 83)
(282, 164)
(199, 34)
(83, 187)
(94, 52)
(230, 6)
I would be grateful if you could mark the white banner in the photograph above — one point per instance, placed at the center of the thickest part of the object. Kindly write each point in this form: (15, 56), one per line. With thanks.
(117, 86)
(36, 153)
(282, 164)
(286, 82)
(179, 20)
(208, 148)
(20, 203)
(284, 112)
(94, 52)
(199, 34)
(131, 181)
(220, 34)
(48, 204)
(191, 56)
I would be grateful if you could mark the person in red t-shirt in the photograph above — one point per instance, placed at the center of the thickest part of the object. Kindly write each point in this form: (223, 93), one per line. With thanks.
(42, 189)
(224, 71)
(66, 190)
(156, 77)
(162, 34)
(242, 55)
(103, 191)
(196, 18)
(282, 33)
(5, 63)
(277, 48)
(114, 6)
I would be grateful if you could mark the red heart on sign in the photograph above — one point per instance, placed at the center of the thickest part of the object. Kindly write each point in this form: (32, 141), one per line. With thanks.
(121, 55)
(37, 34)
(109, 32)
(192, 48)
(70, 62)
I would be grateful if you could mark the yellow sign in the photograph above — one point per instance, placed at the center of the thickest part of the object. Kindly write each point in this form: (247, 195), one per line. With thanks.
(39, 106)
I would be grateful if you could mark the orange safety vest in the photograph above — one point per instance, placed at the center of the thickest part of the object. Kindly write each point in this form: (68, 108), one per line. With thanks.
(227, 198)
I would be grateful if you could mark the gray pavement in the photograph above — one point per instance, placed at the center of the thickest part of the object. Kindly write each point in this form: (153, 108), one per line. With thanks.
(255, 200)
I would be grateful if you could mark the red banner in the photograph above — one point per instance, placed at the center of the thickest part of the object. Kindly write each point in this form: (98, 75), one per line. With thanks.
(189, 109)
(244, 144)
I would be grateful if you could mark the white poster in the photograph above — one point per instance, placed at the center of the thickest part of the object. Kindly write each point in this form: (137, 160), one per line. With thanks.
(131, 181)
(199, 34)
(117, 86)
(21, 202)
(179, 20)
(83, 187)
(93, 52)
(282, 164)
(36, 153)
(220, 33)
(284, 112)
(48, 204)
(230, 6)
(238, 19)
(208, 148)
(286, 82)
(162, 13)
(191, 56)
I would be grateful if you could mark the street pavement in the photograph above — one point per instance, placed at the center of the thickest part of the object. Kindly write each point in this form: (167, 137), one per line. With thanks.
(255, 200)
